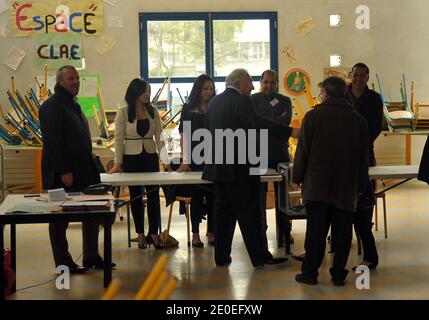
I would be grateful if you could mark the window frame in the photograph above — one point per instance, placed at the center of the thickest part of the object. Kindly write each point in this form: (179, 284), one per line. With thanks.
(208, 18)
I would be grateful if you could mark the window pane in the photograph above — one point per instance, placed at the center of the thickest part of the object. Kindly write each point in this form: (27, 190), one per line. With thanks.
(176, 48)
(241, 44)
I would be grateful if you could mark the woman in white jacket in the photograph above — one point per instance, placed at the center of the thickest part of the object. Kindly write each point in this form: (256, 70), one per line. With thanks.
(138, 146)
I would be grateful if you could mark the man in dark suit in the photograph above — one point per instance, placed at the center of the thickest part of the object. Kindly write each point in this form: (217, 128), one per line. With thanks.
(67, 162)
(236, 190)
(331, 165)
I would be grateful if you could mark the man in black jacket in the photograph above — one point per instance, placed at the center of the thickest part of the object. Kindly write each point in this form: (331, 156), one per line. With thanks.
(67, 162)
(368, 103)
(331, 165)
(236, 190)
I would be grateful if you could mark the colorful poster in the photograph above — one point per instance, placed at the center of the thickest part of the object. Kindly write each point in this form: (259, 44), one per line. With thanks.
(294, 81)
(42, 17)
(88, 94)
(57, 50)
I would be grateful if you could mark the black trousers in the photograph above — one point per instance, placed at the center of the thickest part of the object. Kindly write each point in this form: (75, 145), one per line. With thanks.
(362, 220)
(320, 216)
(144, 162)
(199, 207)
(238, 202)
(60, 246)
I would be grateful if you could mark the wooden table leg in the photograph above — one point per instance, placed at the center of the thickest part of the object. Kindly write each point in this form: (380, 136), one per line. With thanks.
(38, 171)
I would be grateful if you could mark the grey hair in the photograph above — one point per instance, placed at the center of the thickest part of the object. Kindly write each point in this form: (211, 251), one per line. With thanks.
(60, 71)
(235, 76)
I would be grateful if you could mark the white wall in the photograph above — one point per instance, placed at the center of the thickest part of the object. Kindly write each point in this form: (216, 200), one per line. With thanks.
(396, 43)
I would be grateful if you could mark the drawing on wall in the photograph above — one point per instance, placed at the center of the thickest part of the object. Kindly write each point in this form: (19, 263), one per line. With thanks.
(294, 82)
(288, 53)
(14, 57)
(105, 44)
(305, 26)
(341, 72)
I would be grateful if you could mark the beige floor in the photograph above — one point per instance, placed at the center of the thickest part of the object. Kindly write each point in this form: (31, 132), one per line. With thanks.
(403, 271)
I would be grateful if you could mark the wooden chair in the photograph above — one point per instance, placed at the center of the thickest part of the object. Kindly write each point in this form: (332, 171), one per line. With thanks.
(381, 195)
(187, 201)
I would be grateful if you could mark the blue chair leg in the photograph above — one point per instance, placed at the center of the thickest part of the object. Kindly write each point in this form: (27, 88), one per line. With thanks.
(128, 226)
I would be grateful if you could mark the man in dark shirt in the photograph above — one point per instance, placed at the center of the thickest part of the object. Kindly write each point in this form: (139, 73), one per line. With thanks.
(368, 103)
(270, 104)
(67, 162)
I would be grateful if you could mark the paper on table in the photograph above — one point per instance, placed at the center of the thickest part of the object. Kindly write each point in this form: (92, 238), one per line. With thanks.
(115, 21)
(34, 208)
(14, 57)
(105, 44)
(85, 197)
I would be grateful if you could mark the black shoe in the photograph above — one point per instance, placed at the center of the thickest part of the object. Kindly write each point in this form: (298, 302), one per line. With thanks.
(338, 283)
(303, 279)
(76, 269)
(275, 261)
(371, 266)
(298, 258)
(96, 264)
(150, 241)
(224, 263)
(197, 245)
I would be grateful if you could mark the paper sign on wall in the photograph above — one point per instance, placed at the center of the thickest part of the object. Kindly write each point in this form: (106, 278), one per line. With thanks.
(36, 17)
(14, 57)
(115, 21)
(58, 50)
(4, 5)
(105, 44)
(111, 2)
(88, 97)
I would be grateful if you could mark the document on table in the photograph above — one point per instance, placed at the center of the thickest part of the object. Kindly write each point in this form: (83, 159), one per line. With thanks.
(34, 208)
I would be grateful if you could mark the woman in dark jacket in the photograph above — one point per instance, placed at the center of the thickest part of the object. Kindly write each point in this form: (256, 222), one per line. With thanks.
(193, 115)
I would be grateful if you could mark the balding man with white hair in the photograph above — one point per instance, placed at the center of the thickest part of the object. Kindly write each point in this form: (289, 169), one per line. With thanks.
(236, 187)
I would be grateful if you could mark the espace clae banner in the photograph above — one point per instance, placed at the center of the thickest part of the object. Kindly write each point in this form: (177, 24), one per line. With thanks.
(47, 17)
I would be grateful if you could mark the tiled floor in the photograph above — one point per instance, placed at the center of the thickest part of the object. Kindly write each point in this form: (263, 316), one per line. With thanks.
(403, 271)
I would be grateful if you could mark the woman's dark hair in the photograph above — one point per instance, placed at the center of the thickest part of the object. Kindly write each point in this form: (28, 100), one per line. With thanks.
(135, 89)
(194, 98)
